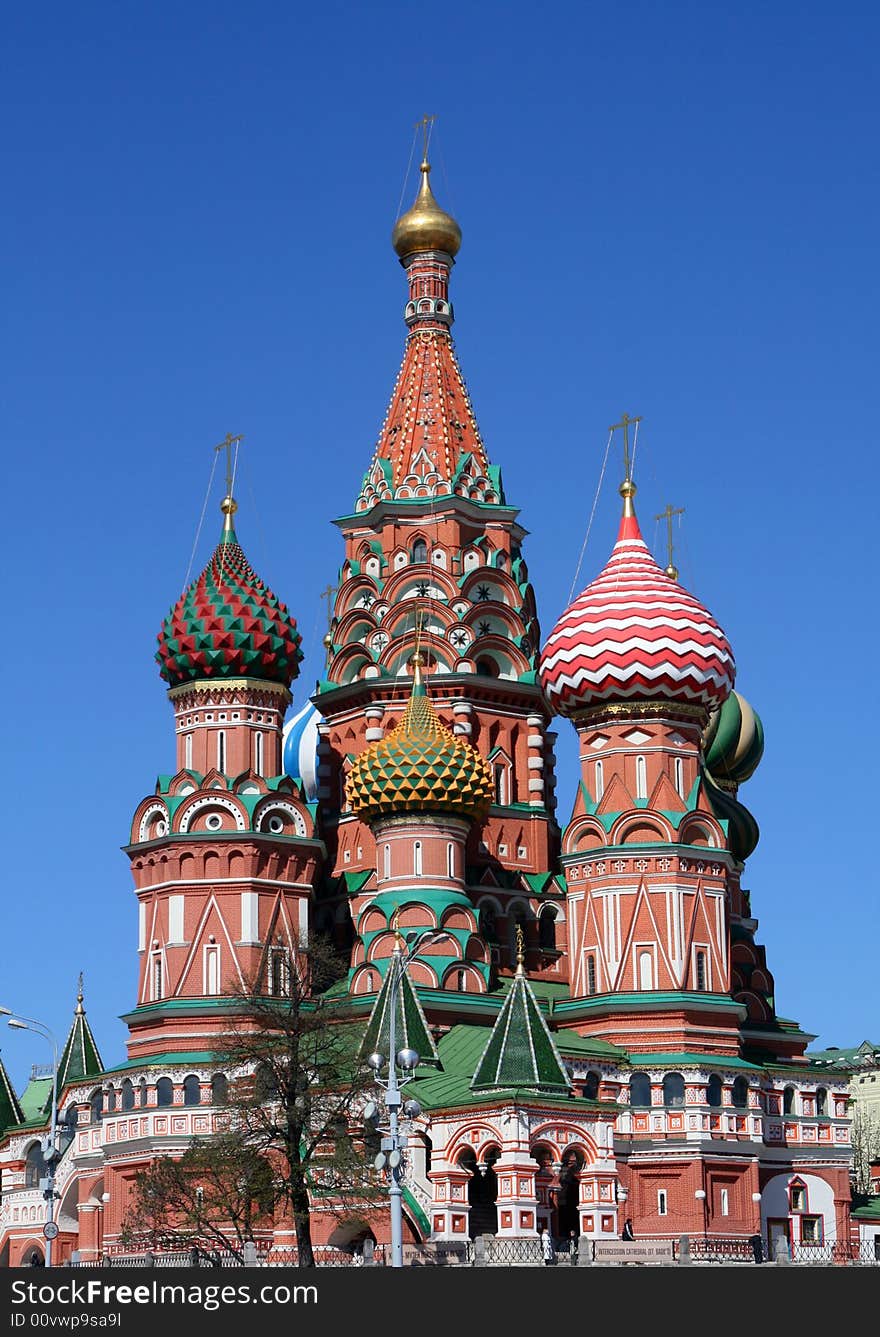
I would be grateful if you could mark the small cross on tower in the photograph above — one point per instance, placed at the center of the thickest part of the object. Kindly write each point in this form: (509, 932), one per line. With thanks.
(667, 515)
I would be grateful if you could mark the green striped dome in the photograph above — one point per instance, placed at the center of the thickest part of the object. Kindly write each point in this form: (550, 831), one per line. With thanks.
(733, 741)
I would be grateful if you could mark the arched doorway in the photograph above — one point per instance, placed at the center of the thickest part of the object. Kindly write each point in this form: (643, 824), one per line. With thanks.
(482, 1190)
(545, 1185)
(569, 1193)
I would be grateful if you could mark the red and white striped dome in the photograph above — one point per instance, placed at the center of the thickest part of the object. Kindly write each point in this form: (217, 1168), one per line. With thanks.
(635, 634)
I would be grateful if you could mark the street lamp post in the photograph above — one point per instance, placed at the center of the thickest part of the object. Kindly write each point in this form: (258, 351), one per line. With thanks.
(406, 1060)
(50, 1150)
(700, 1196)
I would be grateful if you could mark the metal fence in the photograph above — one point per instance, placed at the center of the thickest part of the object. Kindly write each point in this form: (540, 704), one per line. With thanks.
(493, 1251)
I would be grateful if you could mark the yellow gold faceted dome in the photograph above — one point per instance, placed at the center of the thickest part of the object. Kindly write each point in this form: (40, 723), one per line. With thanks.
(420, 767)
(426, 227)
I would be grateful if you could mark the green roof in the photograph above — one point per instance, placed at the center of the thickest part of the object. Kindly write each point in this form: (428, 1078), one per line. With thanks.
(80, 1057)
(869, 1211)
(10, 1109)
(36, 1099)
(460, 1051)
(520, 1051)
(410, 1027)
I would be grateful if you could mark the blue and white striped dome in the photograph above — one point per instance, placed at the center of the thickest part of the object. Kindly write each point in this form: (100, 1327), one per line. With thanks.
(299, 749)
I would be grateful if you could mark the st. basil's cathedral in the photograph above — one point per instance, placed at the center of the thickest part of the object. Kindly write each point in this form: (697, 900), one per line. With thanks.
(595, 1016)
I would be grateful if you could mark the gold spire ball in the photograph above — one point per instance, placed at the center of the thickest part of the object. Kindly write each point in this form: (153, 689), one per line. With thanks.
(425, 227)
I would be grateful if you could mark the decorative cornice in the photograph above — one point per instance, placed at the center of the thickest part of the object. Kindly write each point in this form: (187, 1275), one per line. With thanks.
(224, 686)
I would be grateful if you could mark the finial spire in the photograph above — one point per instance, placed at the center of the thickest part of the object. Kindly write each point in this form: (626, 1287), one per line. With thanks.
(667, 515)
(79, 995)
(627, 488)
(229, 505)
(520, 950)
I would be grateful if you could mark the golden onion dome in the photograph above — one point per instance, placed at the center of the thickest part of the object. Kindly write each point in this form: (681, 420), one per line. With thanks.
(421, 766)
(425, 227)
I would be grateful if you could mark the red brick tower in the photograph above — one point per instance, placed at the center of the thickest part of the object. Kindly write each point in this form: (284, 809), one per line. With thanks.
(223, 851)
(433, 550)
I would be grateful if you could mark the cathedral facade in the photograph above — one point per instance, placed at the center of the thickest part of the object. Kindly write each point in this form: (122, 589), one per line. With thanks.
(597, 1018)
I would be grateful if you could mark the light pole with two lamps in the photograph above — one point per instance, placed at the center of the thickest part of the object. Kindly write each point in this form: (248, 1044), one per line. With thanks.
(51, 1154)
(390, 1157)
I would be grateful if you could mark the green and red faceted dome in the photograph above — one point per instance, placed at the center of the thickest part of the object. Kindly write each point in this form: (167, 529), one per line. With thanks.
(635, 634)
(228, 624)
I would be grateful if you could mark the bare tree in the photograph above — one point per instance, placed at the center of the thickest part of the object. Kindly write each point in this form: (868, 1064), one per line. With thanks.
(296, 1083)
(215, 1193)
(865, 1136)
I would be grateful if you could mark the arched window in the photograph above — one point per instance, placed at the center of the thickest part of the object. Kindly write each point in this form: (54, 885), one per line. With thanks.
(71, 1120)
(788, 1100)
(219, 1089)
(822, 1102)
(386, 864)
(713, 1091)
(646, 970)
(640, 1090)
(500, 780)
(279, 972)
(192, 1094)
(127, 1094)
(486, 667)
(547, 930)
(221, 751)
(740, 1096)
(641, 778)
(591, 1086)
(678, 770)
(111, 1099)
(34, 1167)
(142, 1093)
(417, 858)
(258, 753)
(96, 1106)
(450, 860)
(420, 551)
(488, 924)
(188, 751)
(591, 974)
(164, 1092)
(212, 970)
(600, 780)
(673, 1089)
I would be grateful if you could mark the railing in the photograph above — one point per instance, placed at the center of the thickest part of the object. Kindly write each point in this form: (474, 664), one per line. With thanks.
(721, 1250)
(492, 1251)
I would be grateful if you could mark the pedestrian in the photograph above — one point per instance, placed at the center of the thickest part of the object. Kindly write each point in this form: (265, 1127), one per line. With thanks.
(547, 1249)
(573, 1247)
(627, 1232)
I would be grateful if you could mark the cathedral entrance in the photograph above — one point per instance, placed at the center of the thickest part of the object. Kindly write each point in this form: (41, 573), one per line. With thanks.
(569, 1194)
(482, 1191)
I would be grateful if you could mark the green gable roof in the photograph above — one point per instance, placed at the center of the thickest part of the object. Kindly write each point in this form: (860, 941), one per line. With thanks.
(520, 1051)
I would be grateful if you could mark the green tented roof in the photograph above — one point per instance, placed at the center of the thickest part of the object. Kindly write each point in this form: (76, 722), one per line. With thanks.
(869, 1211)
(80, 1057)
(520, 1051)
(410, 1027)
(10, 1110)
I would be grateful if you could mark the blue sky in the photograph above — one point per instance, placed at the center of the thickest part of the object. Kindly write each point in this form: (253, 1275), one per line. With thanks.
(667, 209)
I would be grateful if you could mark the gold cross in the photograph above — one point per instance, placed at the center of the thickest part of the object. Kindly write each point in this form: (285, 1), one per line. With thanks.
(667, 515)
(624, 424)
(227, 446)
(426, 124)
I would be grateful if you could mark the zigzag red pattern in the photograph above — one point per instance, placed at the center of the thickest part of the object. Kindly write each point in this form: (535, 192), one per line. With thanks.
(635, 634)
